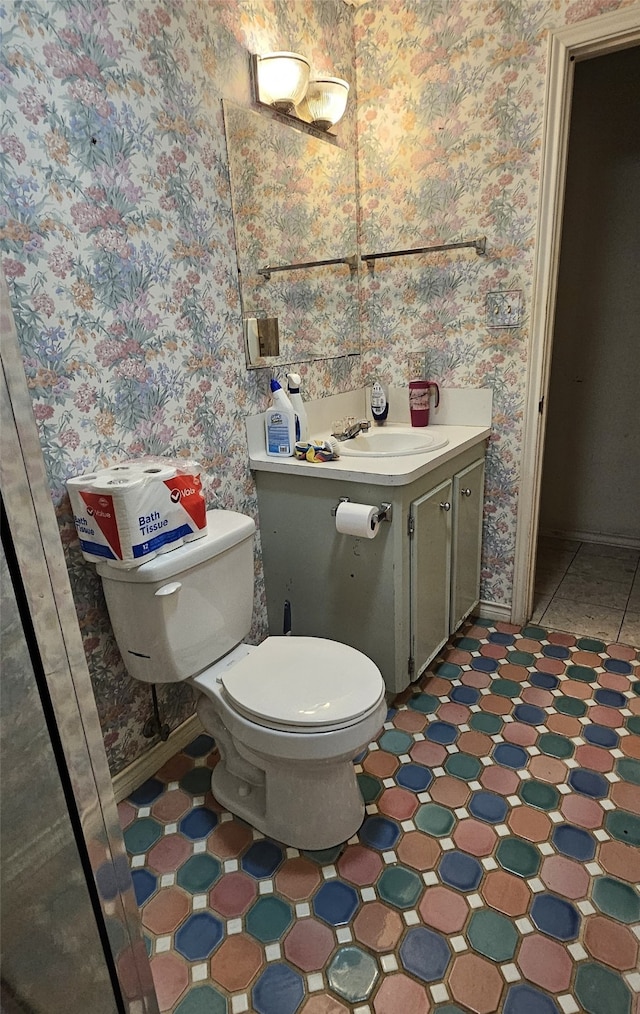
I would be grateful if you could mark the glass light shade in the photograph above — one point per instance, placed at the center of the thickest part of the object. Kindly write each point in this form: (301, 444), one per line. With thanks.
(282, 79)
(325, 101)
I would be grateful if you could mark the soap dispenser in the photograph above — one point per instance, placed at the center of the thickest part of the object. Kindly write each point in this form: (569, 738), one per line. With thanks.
(379, 403)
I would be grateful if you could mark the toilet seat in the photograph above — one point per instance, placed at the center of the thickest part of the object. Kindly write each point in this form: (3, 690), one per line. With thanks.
(303, 684)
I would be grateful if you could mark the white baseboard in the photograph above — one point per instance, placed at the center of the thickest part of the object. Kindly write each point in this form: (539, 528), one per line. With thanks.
(132, 777)
(493, 611)
(624, 541)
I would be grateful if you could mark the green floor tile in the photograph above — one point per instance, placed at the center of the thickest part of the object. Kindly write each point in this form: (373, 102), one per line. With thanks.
(426, 703)
(629, 769)
(570, 706)
(582, 673)
(518, 857)
(463, 765)
(521, 658)
(352, 974)
(268, 919)
(434, 819)
(396, 742)
(141, 835)
(556, 746)
(467, 644)
(602, 991)
(400, 887)
(590, 644)
(370, 788)
(484, 722)
(633, 724)
(198, 873)
(623, 826)
(448, 671)
(540, 795)
(202, 1000)
(324, 856)
(197, 782)
(505, 688)
(535, 633)
(636, 687)
(493, 935)
(616, 899)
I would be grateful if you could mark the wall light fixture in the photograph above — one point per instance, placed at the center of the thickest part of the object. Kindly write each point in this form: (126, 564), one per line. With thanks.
(281, 80)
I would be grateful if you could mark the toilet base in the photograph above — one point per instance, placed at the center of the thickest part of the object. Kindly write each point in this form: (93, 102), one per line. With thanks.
(308, 809)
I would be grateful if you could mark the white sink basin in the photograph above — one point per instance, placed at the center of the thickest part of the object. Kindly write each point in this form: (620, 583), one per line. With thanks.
(391, 441)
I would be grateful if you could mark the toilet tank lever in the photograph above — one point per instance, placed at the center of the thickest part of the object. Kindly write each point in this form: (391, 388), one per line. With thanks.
(169, 589)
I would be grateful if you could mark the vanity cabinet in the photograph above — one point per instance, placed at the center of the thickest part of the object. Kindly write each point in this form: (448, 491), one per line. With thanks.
(396, 597)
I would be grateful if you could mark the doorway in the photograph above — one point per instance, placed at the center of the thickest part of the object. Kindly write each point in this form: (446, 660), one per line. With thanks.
(604, 35)
(589, 530)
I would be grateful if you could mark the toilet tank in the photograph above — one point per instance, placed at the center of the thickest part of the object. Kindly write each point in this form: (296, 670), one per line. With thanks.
(182, 611)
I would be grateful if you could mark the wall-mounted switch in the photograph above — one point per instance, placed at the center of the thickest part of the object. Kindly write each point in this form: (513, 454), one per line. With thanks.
(504, 309)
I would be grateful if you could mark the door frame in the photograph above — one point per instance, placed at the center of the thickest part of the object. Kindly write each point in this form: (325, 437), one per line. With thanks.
(594, 37)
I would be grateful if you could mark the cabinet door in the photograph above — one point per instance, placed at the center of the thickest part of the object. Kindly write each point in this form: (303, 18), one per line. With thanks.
(468, 494)
(430, 574)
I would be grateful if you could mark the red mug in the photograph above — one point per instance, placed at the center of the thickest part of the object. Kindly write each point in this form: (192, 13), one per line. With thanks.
(419, 400)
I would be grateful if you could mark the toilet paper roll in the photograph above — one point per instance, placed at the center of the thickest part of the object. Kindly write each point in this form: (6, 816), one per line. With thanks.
(359, 519)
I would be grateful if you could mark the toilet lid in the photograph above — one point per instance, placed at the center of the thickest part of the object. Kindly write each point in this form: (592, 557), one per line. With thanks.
(306, 682)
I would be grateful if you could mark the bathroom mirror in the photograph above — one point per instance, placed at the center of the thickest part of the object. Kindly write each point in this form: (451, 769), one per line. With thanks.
(294, 202)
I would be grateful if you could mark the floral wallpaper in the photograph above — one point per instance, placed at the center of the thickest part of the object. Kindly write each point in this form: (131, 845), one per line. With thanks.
(118, 247)
(450, 104)
(117, 237)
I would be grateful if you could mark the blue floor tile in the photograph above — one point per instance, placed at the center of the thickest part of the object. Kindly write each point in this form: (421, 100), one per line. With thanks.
(523, 999)
(529, 714)
(489, 807)
(555, 917)
(199, 936)
(588, 783)
(336, 903)
(199, 823)
(279, 990)
(414, 777)
(610, 698)
(200, 747)
(262, 859)
(543, 680)
(425, 954)
(510, 756)
(379, 832)
(600, 735)
(460, 870)
(442, 732)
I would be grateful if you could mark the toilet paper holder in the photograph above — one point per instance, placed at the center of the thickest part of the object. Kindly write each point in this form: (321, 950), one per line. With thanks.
(385, 510)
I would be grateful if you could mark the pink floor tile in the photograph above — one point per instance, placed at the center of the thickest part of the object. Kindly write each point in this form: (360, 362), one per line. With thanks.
(582, 811)
(475, 837)
(170, 977)
(360, 865)
(565, 876)
(444, 909)
(545, 962)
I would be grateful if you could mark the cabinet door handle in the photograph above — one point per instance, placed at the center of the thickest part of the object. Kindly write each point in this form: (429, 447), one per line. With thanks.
(465, 492)
(446, 506)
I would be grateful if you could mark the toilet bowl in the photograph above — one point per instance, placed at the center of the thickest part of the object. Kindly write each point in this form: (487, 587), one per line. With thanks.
(288, 716)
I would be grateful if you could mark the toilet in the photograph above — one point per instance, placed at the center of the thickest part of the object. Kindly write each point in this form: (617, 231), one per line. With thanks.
(288, 716)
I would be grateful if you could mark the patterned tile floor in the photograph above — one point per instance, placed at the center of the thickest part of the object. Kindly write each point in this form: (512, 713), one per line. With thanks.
(497, 868)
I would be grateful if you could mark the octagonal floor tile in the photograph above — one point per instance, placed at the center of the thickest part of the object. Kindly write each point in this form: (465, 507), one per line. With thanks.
(584, 812)
(297, 878)
(526, 999)
(419, 851)
(475, 837)
(233, 894)
(449, 791)
(170, 978)
(504, 781)
(601, 991)
(323, 1004)
(435, 819)
(444, 909)
(360, 865)
(171, 806)
(555, 917)
(409, 721)
(198, 873)
(616, 899)
(476, 983)
(400, 993)
(308, 944)
(164, 913)
(381, 764)
(529, 823)
(506, 892)
(517, 856)
(565, 876)
(460, 871)
(262, 859)
(202, 1000)
(141, 835)
(620, 860)
(425, 954)
(399, 803)
(268, 919)
(400, 887)
(279, 990)
(236, 962)
(352, 974)
(611, 943)
(492, 934)
(229, 839)
(198, 936)
(545, 962)
(169, 853)
(379, 833)
(378, 927)
(336, 903)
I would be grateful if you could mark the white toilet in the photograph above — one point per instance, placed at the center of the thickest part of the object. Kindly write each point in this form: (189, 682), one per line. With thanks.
(288, 716)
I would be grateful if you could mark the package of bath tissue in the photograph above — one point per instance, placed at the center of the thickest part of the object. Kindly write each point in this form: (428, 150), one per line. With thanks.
(132, 511)
(359, 519)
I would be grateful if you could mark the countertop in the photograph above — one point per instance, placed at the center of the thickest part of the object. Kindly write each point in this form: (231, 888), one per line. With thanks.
(392, 471)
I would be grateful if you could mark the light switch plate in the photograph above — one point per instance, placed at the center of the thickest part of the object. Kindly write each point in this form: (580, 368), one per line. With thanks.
(504, 309)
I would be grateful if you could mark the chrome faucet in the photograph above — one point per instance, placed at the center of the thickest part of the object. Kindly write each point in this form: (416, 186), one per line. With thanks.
(350, 431)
